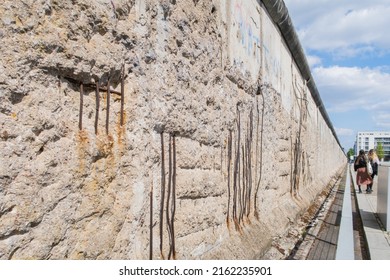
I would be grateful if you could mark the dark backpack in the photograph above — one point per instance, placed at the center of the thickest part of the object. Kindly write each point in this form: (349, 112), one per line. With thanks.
(355, 165)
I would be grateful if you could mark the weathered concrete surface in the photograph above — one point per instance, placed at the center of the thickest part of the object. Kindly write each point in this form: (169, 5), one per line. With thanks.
(219, 129)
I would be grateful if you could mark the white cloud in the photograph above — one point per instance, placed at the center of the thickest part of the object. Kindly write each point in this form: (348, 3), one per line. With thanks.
(349, 88)
(382, 119)
(346, 28)
(344, 131)
(313, 60)
(349, 30)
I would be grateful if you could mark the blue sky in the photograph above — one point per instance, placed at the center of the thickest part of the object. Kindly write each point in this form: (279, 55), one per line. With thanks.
(347, 45)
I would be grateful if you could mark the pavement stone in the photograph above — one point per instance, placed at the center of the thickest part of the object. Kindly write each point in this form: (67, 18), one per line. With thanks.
(378, 240)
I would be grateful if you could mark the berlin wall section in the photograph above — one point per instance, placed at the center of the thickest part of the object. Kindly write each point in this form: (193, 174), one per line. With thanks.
(153, 129)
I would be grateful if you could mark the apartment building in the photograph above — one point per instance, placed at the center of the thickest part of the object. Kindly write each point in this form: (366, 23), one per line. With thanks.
(369, 140)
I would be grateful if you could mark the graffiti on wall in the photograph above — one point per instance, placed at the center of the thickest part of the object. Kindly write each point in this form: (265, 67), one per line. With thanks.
(272, 65)
(245, 43)
(248, 47)
(248, 32)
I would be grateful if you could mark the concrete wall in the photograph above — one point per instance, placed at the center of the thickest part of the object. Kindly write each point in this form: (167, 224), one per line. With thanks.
(221, 148)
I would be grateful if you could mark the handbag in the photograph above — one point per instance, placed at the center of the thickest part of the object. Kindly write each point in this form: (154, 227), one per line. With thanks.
(369, 168)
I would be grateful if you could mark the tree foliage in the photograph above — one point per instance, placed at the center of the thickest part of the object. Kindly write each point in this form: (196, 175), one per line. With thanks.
(379, 151)
(350, 152)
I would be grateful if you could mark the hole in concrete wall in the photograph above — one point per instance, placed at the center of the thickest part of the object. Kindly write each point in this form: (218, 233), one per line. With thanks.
(40, 151)
(213, 10)
(16, 97)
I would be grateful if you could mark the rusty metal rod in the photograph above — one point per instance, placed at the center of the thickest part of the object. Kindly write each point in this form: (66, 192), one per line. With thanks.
(97, 107)
(151, 224)
(250, 176)
(108, 106)
(173, 206)
(229, 159)
(236, 175)
(122, 92)
(168, 203)
(81, 106)
(101, 88)
(162, 193)
(243, 188)
(261, 155)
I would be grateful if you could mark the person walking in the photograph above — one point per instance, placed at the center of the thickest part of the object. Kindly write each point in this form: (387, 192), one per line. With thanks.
(360, 166)
(374, 160)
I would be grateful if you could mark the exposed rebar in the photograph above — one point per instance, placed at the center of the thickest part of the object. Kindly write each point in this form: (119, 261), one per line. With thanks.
(249, 158)
(97, 95)
(167, 209)
(122, 92)
(256, 213)
(236, 176)
(173, 205)
(242, 190)
(108, 106)
(229, 160)
(151, 223)
(101, 88)
(162, 193)
(81, 106)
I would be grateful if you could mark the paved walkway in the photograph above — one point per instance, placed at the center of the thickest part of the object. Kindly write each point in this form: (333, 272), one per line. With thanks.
(378, 240)
(371, 242)
(320, 241)
(325, 242)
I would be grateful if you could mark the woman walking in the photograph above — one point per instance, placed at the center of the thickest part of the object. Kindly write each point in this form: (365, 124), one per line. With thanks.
(374, 160)
(360, 166)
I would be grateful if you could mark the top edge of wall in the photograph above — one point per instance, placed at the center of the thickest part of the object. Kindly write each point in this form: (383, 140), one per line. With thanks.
(279, 14)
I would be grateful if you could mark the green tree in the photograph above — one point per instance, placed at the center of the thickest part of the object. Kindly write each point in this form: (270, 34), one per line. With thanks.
(350, 153)
(379, 151)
